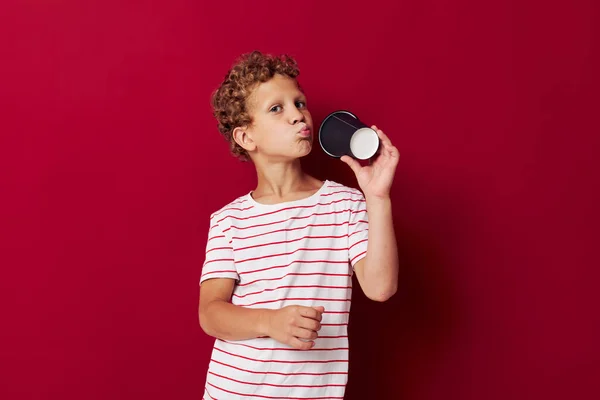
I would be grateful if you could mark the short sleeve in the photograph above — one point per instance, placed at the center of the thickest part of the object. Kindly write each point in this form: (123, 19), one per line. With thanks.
(219, 261)
(358, 230)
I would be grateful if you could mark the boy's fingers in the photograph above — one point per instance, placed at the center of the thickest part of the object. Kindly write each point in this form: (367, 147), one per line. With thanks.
(301, 344)
(381, 135)
(384, 138)
(311, 324)
(304, 333)
(311, 312)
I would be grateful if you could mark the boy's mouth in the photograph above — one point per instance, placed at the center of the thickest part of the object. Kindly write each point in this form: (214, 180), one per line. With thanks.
(305, 132)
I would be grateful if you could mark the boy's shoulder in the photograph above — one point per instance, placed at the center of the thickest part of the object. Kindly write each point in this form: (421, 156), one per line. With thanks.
(238, 205)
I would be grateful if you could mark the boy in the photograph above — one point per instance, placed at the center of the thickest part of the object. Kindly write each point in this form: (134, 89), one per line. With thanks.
(276, 282)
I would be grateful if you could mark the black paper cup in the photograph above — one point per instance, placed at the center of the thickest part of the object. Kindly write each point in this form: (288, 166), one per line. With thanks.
(343, 134)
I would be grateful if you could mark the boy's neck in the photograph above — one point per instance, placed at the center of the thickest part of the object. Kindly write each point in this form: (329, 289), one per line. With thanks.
(278, 182)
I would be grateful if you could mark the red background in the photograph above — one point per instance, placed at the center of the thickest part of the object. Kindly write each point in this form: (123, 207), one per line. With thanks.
(111, 165)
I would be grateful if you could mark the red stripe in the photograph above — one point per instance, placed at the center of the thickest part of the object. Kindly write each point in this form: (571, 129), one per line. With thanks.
(291, 208)
(283, 361)
(354, 233)
(292, 274)
(291, 241)
(280, 373)
(283, 348)
(276, 398)
(218, 248)
(358, 222)
(357, 243)
(293, 262)
(292, 252)
(232, 208)
(218, 272)
(218, 259)
(342, 324)
(291, 298)
(293, 287)
(216, 237)
(289, 230)
(236, 202)
(285, 220)
(208, 393)
(358, 255)
(341, 191)
(274, 385)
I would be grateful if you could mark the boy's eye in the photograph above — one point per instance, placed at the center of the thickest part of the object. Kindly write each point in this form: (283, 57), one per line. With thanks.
(275, 109)
(300, 104)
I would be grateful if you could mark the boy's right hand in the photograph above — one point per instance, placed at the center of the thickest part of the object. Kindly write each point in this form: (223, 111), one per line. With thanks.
(296, 326)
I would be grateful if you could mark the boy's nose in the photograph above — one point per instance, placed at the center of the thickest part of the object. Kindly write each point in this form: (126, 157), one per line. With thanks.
(298, 117)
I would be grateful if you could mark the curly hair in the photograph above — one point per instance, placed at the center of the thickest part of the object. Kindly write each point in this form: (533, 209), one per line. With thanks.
(229, 101)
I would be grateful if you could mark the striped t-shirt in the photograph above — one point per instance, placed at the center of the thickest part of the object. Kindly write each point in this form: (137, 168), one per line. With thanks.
(294, 253)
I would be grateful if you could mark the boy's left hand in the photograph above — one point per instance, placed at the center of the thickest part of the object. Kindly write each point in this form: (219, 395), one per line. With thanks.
(375, 179)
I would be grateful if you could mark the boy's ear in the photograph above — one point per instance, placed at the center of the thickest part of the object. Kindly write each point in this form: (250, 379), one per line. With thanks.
(243, 138)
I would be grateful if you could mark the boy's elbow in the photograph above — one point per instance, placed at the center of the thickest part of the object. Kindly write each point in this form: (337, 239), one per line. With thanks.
(382, 295)
(205, 322)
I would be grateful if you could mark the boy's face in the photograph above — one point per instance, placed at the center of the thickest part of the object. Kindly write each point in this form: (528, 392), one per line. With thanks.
(281, 128)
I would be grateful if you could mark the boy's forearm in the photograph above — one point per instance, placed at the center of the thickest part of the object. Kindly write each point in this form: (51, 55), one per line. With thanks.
(381, 262)
(226, 321)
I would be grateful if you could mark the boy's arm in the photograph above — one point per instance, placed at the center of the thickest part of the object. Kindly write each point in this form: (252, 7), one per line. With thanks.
(219, 318)
(377, 272)
(296, 326)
